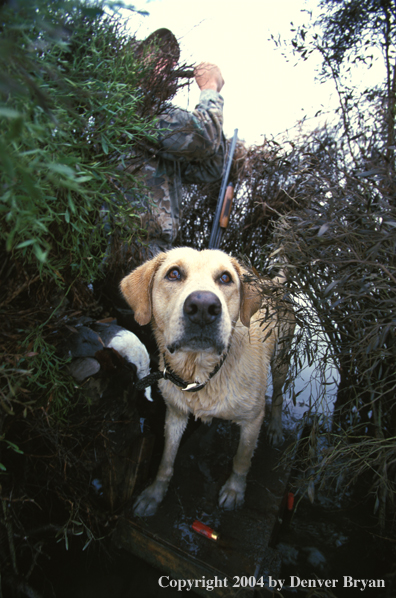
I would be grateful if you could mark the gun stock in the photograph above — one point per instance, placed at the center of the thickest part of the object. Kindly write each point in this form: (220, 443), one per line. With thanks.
(227, 206)
(223, 200)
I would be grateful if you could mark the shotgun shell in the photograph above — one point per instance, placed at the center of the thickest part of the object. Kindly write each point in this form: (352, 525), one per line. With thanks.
(290, 501)
(204, 530)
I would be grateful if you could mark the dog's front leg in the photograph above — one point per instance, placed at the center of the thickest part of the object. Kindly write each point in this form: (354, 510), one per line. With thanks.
(148, 501)
(232, 493)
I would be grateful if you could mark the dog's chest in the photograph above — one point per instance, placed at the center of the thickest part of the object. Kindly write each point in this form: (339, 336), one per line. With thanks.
(237, 391)
(199, 404)
(216, 400)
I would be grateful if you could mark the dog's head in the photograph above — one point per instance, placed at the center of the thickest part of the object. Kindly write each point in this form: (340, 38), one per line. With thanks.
(194, 298)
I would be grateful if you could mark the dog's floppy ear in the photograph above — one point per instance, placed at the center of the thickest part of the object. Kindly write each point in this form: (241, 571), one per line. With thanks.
(137, 286)
(251, 298)
(251, 301)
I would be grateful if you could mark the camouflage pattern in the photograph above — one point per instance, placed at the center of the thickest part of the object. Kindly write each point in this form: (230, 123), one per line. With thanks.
(191, 148)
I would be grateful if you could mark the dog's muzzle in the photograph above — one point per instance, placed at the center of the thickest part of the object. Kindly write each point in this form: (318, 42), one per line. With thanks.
(202, 313)
(202, 308)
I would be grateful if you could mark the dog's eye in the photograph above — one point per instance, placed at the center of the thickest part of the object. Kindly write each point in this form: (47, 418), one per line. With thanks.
(174, 274)
(225, 278)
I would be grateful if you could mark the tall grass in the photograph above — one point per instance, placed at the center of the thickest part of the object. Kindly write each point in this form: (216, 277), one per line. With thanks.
(69, 114)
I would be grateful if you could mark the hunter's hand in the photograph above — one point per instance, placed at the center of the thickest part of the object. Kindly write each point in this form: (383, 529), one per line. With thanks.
(208, 76)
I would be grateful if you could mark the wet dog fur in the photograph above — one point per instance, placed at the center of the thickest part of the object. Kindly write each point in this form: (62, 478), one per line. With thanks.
(201, 308)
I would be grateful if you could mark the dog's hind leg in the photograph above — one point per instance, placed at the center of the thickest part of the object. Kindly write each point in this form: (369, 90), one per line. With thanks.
(148, 501)
(232, 493)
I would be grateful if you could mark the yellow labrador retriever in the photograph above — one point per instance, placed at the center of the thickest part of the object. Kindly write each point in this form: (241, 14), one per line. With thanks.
(215, 352)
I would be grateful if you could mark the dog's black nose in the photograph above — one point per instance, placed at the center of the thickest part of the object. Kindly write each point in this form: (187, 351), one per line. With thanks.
(202, 307)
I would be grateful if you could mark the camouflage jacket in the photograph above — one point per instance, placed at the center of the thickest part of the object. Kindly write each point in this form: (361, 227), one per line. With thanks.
(191, 149)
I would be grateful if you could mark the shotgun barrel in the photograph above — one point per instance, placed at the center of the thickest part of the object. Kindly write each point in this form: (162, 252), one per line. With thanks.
(216, 234)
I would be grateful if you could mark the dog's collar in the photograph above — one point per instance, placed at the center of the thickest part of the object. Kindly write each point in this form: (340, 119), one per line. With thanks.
(168, 374)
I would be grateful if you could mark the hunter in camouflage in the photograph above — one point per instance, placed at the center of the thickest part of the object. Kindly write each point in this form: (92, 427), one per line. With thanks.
(190, 149)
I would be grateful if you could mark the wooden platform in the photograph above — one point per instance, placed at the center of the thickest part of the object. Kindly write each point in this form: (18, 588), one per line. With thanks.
(245, 548)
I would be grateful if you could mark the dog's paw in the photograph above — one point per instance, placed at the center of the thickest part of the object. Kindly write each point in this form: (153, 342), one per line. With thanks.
(148, 501)
(274, 433)
(232, 493)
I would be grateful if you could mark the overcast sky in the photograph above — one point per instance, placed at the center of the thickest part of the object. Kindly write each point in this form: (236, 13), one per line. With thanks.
(264, 94)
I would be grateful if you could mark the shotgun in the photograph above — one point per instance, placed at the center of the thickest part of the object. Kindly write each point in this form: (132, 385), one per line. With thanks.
(224, 202)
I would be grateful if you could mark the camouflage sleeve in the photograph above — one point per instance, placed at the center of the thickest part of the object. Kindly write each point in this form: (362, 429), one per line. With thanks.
(195, 139)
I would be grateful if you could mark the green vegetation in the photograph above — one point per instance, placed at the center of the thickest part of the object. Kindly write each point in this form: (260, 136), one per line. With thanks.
(69, 113)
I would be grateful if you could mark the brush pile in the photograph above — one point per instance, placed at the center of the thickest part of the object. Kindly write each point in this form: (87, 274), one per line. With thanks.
(333, 221)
